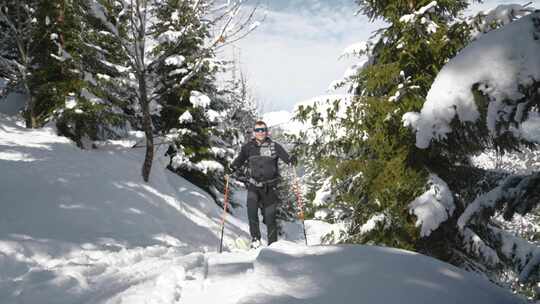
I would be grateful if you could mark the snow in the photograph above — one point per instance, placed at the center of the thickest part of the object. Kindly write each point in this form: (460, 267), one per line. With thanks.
(169, 36)
(199, 100)
(530, 128)
(355, 49)
(324, 194)
(13, 103)
(254, 25)
(351, 274)
(178, 72)
(119, 68)
(434, 206)
(71, 102)
(354, 69)
(486, 200)
(218, 152)
(521, 250)
(91, 97)
(80, 226)
(501, 15)
(372, 223)
(322, 214)
(420, 12)
(175, 16)
(214, 116)
(103, 76)
(525, 162)
(63, 55)
(176, 60)
(323, 103)
(475, 244)
(500, 62)
(185, 117)
(98, 11)
(207, 166)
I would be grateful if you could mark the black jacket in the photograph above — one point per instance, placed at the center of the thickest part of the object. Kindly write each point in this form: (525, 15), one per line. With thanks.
(262, 159)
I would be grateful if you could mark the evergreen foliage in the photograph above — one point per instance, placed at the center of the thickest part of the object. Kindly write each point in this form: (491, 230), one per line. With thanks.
(97, 68)
(377, 170)
(17, 25)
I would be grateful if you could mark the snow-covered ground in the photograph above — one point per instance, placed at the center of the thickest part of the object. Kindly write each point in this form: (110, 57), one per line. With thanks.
(13, 103)
(80, 226)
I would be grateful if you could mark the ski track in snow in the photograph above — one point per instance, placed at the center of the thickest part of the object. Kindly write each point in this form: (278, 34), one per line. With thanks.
(226, 278)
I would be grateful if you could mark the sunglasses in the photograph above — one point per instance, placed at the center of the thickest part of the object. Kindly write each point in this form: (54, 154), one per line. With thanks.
(260, 130)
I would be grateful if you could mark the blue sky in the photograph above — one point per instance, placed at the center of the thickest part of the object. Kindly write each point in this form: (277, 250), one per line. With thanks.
(293, 55)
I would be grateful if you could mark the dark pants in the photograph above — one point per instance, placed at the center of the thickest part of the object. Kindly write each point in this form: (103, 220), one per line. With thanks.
(265, 198)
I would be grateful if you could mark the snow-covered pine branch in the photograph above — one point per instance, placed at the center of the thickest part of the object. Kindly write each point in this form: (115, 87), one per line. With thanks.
(516, 194)
(479, 73)
(495, 18)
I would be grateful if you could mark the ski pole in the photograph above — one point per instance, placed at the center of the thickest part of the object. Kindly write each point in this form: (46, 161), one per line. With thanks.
(299, 201)
(225, 205)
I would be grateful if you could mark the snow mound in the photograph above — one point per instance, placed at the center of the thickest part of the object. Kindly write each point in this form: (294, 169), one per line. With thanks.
(287, 273)
(499, 62)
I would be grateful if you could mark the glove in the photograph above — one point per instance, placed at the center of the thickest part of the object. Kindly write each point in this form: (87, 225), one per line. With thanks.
(293, 160)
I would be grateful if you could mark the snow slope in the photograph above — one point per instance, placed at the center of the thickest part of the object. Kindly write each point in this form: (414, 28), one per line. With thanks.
(52, 190)
(80, 226)
(69, 215)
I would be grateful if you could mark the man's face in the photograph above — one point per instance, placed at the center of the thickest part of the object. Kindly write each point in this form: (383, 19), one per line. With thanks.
(260, 132)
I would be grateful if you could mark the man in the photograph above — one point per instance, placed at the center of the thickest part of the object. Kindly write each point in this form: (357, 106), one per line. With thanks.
(262, 155)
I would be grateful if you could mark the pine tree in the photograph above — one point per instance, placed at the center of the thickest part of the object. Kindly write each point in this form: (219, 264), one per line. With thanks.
(57, 80)
(199, 115)
(50, 56)
(383, 176)
(325, 136)
(17, 27)
(168, 48)
(376, 169)
(478, 233)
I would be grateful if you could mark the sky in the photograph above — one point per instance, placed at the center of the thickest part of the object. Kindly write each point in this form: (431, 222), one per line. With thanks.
(293, 55)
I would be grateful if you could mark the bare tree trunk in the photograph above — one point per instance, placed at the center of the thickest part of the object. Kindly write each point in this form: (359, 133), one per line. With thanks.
(30, 113)
(23, 46)
(140, 67)
(147, 126)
